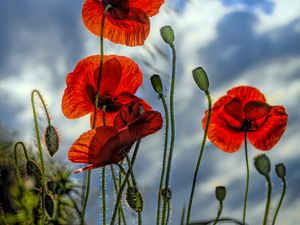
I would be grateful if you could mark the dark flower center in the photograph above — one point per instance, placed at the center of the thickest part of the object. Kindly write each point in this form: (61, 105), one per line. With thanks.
(119, 8)
(110, 103)
(248, 117)
(249, 125)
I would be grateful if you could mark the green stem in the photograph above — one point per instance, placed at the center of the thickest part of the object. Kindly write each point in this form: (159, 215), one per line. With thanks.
(164, 158)
(130, 168)
(268, 200)
(247, 178)
(88, 184)
(44, 106)
(168, 211)
(101, 61)
(121, 212)
(103, 197)
(172, 89)
(16, 160)
(95, 111)
(103, 179)
(119, 186)
(280, 201)
(37, 133)
(219, 213)
(199, 158)
(119, 197)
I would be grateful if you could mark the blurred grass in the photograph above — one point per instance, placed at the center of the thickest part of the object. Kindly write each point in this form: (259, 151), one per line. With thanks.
(21, 204)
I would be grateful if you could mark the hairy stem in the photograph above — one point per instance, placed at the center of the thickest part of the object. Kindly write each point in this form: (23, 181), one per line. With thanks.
(164, 158)
(219, 213)
(16, 160)
(172, 117)
(247, 179)
(280, 201)
(121, 212)
(199, 158)
(37, 133)
(95, 111)
(119, 197)
(265, 221)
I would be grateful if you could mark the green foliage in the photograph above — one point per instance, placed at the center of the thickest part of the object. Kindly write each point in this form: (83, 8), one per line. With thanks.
(20, 203)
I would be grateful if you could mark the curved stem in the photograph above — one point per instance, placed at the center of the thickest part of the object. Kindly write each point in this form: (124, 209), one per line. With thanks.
(172, 89)
(95, 111)
(199, 158)
(280, 201)
(130, 168)
(37, 133)
(219, 213)
(44, 106)
(16, 160)
(268, 200)
(164, 158)
(119, 197)
(121, 212)
(247, 178)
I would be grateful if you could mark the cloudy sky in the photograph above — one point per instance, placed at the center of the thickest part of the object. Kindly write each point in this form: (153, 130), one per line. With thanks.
(238, 42)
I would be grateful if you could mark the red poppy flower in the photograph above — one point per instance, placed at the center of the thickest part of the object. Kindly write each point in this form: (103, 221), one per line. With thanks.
(127, 21)
(106, 144)
(244, 109)
(120, 79)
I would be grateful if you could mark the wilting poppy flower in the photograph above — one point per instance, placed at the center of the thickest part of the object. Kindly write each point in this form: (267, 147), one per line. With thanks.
(244, 109)
(127, 21)
(106, 144)
(120, 79)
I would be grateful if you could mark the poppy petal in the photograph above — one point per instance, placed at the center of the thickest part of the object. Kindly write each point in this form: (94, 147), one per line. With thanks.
(234, 108)
(227, 139)
(271, 131)
(246, 93)
(254, 110)
(110, 117)
(81, 86)
(150, 7)
(131, 30)
(148, 123)
(119, 101)
(78, 98)
(111, 76)
(130, 112)
(86, 149)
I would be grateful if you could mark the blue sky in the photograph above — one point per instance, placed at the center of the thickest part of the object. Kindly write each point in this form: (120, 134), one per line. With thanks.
(236, 42)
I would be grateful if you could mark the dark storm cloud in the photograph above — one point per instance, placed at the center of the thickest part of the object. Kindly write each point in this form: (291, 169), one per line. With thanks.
(59, 18)
(238, 47)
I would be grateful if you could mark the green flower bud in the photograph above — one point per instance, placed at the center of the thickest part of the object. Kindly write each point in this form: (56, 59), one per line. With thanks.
(134, 199)
(280, 170)
(156, 83)
(167, 34)
(220, 193)
(51, 138)
(262, 164)
(201, 78)
(49, 205)
(34, 171)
